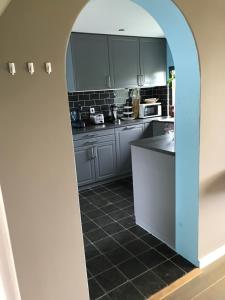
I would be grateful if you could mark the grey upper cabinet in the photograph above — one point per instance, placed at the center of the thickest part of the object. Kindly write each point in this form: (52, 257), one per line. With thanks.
(153, 61)
(124, 61)
(85, 165)
(105, 162)
(69, 70)
(124, 136)
(90, 61)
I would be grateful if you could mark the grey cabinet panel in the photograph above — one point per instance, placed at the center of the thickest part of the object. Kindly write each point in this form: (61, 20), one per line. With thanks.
(85, 165)
(105, 161)
(124, 61)
(124, 136)
(153, 61)
(69, 69)
(91, 61)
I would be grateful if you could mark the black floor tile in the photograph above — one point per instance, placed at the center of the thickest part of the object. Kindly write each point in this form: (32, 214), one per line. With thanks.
(118, 214)
(151, 258)
(183, 263)
(100, 202)
(137, 247)
(105, 297)
(148, 283)
(165, 250)
(86, 193)
(132, 268)
(168, 272)
(110, 279)
(129, 210)
(100, 189)
(93, 214)
(95, 291)
(90, 226)
(86, 207)
(91, 252)
(109, 208)
(113, 228)
(124, 237)
(104, 220)
(127, 222)
(151, 240)
(84, 219)
(106, 245)
(122, 204)
(86, 242)
(138, 231)
(98, 265)
(118, 255)
(126, 292)
(96, 235)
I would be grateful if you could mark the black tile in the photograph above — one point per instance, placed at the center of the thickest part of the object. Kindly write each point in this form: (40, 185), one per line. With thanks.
(104, 220)
(165, 250)
(110, 279)
(183, 263)
(86, 242)
(91, 252)
(86, 207)
(129, 210)
(106, 245)
(127, 222)
(100, 189)
(105, 297)
(95, 213)
(151, 240)
(148, 283)
(109, 208)
(101, 202)
(95, 291)
(86, 193)
(126, 292)
(113, 228)
(122, 204)
(138, 231)
(118, 255)
(168, 272)
(132, 268)
(96, 235)
(94, 96)
(89, 226)
(118, 214)
(137, 247)
(98, 265)
(84, 218)
(124, 237)
(151, 258)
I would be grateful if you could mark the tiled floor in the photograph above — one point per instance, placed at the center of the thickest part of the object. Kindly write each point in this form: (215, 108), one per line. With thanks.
(123, 260)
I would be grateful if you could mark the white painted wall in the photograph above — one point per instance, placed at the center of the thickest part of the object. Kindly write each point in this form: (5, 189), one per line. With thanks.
(107, 16)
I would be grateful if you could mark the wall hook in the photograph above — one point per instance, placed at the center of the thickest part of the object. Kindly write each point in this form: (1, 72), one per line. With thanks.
(30, 67)
(12, 68)
(48, 67)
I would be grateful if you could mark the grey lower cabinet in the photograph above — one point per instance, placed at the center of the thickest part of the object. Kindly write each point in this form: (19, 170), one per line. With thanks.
(124, 136)
(124, 61)
(90, 60)
(95, 162)
(85, 165)
(153, 62)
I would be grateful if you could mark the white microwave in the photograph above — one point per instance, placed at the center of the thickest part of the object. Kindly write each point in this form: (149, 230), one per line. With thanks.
(148, 110)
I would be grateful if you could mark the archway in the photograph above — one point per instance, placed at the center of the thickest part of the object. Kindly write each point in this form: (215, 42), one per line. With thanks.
(182, 45)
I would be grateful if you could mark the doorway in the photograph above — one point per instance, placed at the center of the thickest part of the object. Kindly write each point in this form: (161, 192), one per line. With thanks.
(101, 217)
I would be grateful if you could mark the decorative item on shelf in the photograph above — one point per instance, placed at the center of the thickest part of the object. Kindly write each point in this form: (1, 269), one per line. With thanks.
(171, 87)
(151, 100)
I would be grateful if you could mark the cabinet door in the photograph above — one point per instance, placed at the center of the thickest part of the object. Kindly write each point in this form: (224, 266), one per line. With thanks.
(90, 61)
(84, 157)
(69, 70)
(124, 136)
(105, 160)
(124, 61)
(153, 61)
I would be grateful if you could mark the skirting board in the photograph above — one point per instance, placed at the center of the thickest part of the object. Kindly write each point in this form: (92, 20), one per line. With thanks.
(211, 257)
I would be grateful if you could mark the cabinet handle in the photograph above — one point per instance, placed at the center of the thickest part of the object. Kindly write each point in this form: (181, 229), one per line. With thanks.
(109, 84)
(90, 143)
(129, 127)
(90, 153)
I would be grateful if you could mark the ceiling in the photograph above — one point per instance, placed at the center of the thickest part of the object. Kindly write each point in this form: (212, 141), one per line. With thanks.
(108, 16)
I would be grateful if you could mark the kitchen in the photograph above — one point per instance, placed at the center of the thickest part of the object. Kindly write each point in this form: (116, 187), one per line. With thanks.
(122, 100)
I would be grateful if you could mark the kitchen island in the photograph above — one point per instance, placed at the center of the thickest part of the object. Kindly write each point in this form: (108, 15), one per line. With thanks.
(153, 168)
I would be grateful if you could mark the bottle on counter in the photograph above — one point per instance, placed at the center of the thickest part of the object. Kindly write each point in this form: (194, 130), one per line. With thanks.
(136, 99)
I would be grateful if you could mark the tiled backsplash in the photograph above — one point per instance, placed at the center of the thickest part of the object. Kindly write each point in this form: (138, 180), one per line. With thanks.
(101, 100)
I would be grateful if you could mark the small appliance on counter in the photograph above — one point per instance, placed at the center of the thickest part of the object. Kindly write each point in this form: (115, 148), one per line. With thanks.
(96, 119)
(149, 110)
(76, 118)
(114, 113)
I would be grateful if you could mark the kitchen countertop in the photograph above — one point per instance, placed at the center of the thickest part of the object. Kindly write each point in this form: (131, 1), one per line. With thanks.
(163, 143)
(123, 123)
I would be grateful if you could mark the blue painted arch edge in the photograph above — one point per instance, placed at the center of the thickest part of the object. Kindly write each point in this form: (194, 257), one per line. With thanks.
(185, 55)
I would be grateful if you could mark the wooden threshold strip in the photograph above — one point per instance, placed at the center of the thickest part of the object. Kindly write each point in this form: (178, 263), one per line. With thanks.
(162, 294)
